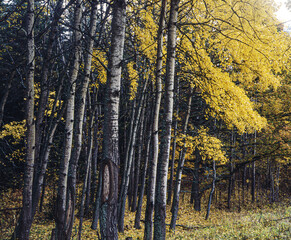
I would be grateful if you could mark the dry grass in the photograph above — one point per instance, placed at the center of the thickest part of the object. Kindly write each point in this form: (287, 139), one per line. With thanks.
(265, 221)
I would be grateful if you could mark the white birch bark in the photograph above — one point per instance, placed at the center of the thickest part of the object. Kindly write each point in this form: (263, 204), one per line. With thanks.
(78, 126)
(42, 150)
(108, 212)
(64, 167)
(148, 231)
(123, 194)
(26, 215)
(146, 158)
(161, 188)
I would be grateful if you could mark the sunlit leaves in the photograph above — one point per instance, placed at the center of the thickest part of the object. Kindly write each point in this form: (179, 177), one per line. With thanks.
(210, 148)
(133, 78)
(99, 64)
(230, 50)
(16, 130)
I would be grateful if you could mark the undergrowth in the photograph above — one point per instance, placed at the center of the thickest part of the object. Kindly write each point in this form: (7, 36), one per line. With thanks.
(259, 221)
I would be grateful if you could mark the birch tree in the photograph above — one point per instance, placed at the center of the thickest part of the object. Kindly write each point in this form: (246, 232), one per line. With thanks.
(26, 214)
(181, 162)
(110, 162)
(148, 231)
(79, 116)
(61, 219)
(161, 190)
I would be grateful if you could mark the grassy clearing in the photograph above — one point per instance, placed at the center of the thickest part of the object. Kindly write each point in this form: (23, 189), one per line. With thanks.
(268, 222)
(252, 222)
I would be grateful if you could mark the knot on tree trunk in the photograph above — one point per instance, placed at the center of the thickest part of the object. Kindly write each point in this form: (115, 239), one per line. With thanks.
(109, 181)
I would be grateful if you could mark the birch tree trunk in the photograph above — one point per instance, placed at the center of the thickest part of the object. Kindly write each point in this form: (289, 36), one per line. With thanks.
(148, 231)
(169, 199)
(44, 133)
(129, 166)
(127, 153)
(143, 177)
(80, 102)
(96, 213)
(26, 214)
(95, 164)
(138, 161)
(161, 190)
(88, 169)
(129, 141)
(61, 208)
(45, 88)
(175, 206)
(110, 162)
(95, 155)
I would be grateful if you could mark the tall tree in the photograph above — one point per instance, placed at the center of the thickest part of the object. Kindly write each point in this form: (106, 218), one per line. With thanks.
(45, 135)
(181, 162)
(110, 161)
(148, 231)
(171, 180)
(80, 101)
(62, 204)
(124, 189)
(26, 214)
(163, 163)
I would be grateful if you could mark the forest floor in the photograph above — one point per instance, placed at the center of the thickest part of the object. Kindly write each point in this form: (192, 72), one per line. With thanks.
(253, 221)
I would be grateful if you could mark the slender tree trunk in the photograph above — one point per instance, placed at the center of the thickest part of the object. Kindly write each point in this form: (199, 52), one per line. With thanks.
(253, 189)
(124, 190)
(128, 146)
(258, 187)
(272, 188)
(148, 231)
(95, 154)
(277, 184)
(45, 152)
(143, 177)
(195, 192)
(244, 169)
(44, 135)
(175, 206)
(80, 102)
(174, 147)
(231, 177)
(87, 201)
(26, 214)
(42, 194)
(96, 188)
(212, 191)
(138, 162)
(110, 162)
(62, 207)
(86, 179)
(96, 213)
(163, 163)
(45, 83)
(230, 183)
(131, 177)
